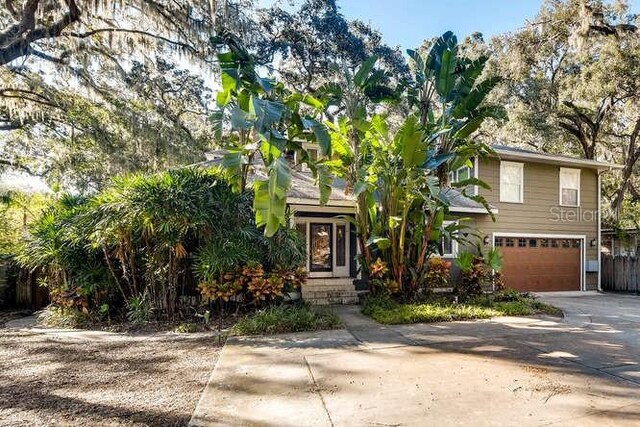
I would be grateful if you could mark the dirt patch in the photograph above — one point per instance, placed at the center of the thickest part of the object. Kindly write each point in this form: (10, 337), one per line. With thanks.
(48, 379)
(8, 315)
(543, 385)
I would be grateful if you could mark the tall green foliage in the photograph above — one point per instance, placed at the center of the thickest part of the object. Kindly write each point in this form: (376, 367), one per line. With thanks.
(449, 92)
(400, 177)
(137, 239)
(266, 121)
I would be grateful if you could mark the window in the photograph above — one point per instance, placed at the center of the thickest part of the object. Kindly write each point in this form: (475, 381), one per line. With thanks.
(569, 187)
(509, 243)
(533, 243)
(448, 246)
(511, 182)
(341, 245)
(522, 243)
(499, 242)
(462, 174)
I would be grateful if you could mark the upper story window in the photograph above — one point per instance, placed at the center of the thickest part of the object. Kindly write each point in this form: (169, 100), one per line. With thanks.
(462, 174)
(511, 182)
(314, 154)
(569, 187)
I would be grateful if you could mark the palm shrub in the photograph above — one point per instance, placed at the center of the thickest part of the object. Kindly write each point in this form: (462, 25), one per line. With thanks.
(474, 274)
(479, 271)
(58, 249)
(143, 243)
(494, 262)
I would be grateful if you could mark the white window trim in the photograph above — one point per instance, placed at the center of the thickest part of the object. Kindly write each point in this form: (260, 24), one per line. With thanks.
(454, 243)
(475, 175)
(514, 164)
(569, 171)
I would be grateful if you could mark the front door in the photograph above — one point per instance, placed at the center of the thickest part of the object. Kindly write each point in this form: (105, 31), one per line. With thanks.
(320, 247)
(327, 246)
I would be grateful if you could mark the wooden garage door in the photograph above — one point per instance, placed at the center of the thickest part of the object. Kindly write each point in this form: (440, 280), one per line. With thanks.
(532, 264)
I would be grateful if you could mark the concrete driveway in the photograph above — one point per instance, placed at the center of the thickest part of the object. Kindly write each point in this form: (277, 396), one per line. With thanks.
(502, 372)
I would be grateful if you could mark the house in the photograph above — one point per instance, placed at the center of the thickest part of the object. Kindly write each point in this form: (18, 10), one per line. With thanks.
(547, 218)
(624, 242)
(547, 223)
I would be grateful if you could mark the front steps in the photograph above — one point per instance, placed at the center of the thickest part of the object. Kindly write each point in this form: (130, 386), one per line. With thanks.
(326, 291)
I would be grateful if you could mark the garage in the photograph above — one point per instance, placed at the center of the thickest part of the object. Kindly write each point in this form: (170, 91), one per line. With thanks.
(541, 264)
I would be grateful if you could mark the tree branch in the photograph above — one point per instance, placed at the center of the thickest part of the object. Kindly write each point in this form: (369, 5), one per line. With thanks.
(25, 33)
(22, 167)
(139, 32)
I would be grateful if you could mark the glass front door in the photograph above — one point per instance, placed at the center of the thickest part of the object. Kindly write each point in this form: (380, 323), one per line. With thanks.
(327, 245)
(321, 247)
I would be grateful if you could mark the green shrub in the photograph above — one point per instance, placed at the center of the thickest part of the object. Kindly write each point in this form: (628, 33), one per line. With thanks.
(286, 318)
(474, 274)
(140, 310)
(157, 235)
(508, 303)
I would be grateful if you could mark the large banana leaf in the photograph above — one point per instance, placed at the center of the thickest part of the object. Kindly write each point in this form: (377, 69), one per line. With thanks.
(411, 143)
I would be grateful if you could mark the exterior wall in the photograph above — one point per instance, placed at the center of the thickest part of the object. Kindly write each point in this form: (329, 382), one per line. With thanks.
(541, 213)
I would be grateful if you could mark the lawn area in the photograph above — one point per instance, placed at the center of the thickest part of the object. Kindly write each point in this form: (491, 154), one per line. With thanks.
(287, 318)
(55, 378)
(387, 311)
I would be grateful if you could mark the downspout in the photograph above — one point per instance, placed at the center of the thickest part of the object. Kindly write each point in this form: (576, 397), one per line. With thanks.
(599, 237)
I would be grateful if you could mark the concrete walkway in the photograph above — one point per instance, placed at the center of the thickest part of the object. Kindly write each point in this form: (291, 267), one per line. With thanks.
(505, 371)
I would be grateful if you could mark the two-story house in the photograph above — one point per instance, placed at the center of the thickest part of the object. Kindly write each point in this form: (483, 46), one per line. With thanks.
(547, 223)
(547, 218)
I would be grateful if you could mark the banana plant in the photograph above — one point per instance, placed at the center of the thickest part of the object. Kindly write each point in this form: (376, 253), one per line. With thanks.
(351, 102)
(410, 207)
(448, 92)
(258, 121)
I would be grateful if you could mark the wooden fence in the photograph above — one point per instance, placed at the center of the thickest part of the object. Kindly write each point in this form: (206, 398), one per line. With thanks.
(3, 283)
(620, 273)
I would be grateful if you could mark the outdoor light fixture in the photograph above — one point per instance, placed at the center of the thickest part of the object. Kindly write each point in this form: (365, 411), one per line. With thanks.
(485, 240)
(593, 242)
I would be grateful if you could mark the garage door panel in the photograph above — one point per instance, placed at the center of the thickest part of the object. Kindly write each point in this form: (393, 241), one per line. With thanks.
(541, 264)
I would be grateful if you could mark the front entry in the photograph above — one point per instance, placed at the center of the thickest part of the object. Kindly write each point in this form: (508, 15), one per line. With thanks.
(327, 245)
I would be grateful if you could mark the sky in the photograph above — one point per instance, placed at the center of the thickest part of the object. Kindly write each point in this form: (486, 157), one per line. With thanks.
(408, 22)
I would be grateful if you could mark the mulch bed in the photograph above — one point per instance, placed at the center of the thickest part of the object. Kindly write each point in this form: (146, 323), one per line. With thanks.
(147, 380)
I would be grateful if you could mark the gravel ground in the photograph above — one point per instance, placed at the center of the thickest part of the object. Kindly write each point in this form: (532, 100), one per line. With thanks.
(69, 379)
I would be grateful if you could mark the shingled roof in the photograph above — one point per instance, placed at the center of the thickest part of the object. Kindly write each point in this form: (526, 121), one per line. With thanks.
(305, 191)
